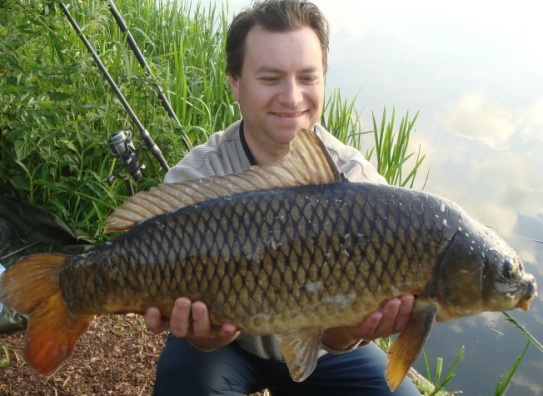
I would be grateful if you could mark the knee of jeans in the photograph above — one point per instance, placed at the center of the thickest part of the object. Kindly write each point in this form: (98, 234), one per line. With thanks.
(170, 379)
(195, 378)
(195, 384)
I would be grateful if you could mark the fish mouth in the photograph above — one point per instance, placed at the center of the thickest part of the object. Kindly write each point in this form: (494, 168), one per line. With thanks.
(530, 295)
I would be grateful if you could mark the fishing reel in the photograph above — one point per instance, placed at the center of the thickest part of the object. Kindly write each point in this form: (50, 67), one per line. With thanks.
(121, 146)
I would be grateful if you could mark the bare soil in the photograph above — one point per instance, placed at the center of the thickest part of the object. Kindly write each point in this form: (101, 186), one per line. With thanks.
(115, 356)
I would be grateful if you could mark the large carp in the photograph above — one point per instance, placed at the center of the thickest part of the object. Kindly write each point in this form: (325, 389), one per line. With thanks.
(289, 249)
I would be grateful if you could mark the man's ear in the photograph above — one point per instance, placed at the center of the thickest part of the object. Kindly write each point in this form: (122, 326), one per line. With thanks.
(234, 85)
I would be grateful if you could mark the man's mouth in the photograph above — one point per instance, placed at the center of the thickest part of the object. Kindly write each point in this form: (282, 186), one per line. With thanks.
(289, 115)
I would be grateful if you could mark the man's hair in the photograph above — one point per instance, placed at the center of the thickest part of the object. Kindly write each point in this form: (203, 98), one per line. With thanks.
(277, 16)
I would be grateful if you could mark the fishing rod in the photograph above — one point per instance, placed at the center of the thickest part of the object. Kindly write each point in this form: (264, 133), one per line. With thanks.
(120, 142)
(143, 63)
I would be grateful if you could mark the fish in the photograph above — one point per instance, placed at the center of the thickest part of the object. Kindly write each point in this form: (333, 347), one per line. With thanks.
(289, 249)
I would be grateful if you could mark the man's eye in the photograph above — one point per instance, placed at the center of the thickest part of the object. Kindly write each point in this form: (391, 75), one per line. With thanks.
(309, 79)
(269, 79)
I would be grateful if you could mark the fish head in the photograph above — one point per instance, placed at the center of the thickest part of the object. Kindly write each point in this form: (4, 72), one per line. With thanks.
(480, 272)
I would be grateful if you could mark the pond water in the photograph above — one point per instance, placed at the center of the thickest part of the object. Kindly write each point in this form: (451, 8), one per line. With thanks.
(476, 77)
(474, 71)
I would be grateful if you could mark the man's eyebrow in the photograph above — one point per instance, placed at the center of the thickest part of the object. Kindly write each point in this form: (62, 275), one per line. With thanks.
(271, 69)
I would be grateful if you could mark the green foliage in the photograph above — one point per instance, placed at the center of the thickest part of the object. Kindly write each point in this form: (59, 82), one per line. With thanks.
(184, 42)
(391, 149)
(504, 382)
(57, 110)
(341, 118)
(436, 379)
(524, 331)
(47, 155)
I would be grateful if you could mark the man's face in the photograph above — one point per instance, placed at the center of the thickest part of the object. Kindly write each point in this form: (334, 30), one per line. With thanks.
(281, 87)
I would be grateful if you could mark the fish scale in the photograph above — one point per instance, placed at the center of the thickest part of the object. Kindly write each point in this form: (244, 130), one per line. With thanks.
(274, 250)
(261, 267)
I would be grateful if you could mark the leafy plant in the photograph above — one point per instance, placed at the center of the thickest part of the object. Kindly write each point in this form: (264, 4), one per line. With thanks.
(504, 382)
(341, 117)
(391, 149)
(524, 331)
(57, 111)
(436, 379)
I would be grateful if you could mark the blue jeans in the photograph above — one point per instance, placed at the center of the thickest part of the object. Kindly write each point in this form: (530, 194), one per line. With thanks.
(183, 370)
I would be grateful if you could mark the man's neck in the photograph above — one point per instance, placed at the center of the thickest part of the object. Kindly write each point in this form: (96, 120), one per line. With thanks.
(257, 153)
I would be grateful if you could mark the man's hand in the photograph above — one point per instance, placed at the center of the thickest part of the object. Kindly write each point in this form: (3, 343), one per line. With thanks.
(191, 321)
(392, 317)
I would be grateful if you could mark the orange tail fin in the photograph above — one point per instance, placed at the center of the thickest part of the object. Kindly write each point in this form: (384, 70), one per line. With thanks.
(31, 287)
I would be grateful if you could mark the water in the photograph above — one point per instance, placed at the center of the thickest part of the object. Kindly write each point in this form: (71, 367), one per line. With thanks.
(476, 76)
(474, 70)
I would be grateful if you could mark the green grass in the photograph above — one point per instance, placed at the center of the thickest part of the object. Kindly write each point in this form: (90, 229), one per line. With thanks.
(4, 360)
(391, 149)
(504, 381)
(439, 379)
(57, 110)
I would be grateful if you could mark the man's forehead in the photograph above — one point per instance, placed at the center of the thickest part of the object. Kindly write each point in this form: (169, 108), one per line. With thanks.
(260, 30)
(260, 41)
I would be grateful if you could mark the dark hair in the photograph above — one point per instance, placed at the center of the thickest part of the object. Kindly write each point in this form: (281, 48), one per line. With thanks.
(278, 16)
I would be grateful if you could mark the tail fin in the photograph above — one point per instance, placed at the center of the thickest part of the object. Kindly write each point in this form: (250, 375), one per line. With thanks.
(31, 287)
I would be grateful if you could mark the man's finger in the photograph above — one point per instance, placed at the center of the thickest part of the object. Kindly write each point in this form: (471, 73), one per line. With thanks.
(180, 319)
(154, 322)
(201, 326)
(404, 313)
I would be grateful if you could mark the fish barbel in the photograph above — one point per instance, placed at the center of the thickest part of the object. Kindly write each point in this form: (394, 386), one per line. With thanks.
(289, 249)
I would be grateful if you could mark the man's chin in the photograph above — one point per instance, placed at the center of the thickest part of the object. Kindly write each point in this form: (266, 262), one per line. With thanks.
(291, 130)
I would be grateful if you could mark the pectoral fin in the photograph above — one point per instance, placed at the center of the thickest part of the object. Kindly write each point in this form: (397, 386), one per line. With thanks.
(301, 350)
(409, 343)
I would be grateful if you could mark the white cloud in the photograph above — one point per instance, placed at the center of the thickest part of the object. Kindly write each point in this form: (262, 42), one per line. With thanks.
(475, 117)
(532, 120)
(517, 181)
(532, 387)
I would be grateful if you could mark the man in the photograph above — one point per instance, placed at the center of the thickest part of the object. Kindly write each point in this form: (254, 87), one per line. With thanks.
(276, 62)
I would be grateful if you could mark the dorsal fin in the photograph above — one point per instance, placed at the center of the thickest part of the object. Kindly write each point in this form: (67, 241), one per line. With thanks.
(308, 162)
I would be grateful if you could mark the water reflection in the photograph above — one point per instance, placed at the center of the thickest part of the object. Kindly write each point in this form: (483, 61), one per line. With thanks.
(475, 73)
(477, 80)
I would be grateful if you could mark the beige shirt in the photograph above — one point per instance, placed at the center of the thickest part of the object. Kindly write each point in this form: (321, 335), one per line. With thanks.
(223, 153)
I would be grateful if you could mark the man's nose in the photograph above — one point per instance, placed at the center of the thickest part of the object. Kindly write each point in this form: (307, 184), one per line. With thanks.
(292, 93)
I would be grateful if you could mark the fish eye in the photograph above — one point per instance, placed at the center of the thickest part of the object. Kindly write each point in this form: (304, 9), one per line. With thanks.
(508, 268)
